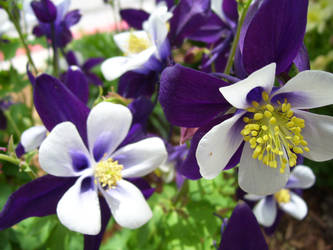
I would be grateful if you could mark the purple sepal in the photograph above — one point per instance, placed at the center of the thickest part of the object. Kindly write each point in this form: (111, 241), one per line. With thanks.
(188, 16)
(38, 31)
(242, 231)
(134, 18)
(190, 98)
(286, 20)
(135, 134)
(211, 30)
(55, 103)
(229, 8)
(134, 84)
(72, 18)
(37, 198)
(77, 83)
(235, 158)
(31, 77)
(302, 61)
(71, 58)
(92, 242)
(91, 63)
(144, 187)
(141, 108)
(44, 10)
(19, 150)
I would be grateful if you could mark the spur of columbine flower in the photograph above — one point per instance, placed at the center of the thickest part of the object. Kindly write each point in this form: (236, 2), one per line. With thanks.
(139, 46)
(101, 168)
(287, 199)
(273, 128)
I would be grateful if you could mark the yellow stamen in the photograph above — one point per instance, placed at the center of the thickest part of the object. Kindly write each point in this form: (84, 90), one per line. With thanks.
(137, 44)
(107, 173)
(283, 196)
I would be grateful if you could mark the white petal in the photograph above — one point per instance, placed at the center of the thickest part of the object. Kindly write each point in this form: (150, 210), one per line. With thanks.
(108, 125)
(216, 148)
(122, 39)
(301, 177)
(79, 209)
(236, 93)
(114, 67)
(253, 197)
(156, 25)
(266, 211)
(216, 6)
(296, 207)
(33, 137)
(318, 132)
(256, 178)
(55, 151)
(309, 89)
(128, 206)
(141, 158)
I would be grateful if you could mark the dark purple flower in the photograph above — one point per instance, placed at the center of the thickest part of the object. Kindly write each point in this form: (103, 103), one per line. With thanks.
(242, 231)
(4, 104)
(58, 30)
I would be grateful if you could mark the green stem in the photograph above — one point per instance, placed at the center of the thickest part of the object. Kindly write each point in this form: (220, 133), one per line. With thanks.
(25, 45)
(19, 163)
(13, 124)
(182, 192)
(10, 159)
(55, 52)
(236, 39)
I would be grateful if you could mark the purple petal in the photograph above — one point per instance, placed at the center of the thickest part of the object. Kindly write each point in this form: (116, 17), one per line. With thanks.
(44, 10)
(135, 134)
(38, 31)
(76, 81)
(92, 242)
(37, 198)
(242, 231)
(133, 84)
(55, 104)
(91, 62)
(94, 79)
(134, 17)
(302, 60)
(19, 150)
(71, 58)
(63, 35)
(275, 34)
(188, 16)
(189, 97)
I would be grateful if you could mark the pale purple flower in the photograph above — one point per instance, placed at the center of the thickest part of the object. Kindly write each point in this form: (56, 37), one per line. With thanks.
(100, 168)
(271, 127)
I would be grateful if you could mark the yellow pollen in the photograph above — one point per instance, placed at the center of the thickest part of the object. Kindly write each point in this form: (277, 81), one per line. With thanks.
(137, 44)
(274, 133)
(107, 173)
(283, 196)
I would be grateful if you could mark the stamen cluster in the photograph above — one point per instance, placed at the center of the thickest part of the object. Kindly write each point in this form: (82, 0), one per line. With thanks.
(108, 172)
(274, 133)
(137, 44)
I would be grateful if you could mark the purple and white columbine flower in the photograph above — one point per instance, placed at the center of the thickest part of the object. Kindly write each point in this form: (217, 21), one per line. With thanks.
(139, 46)
(101, 167)
(272, 127)
(288, 200)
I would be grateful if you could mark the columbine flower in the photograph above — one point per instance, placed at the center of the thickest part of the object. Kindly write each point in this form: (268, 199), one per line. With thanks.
(287, 198)
(101, 168)
(272, 126)
(242, 231)
(139, 46)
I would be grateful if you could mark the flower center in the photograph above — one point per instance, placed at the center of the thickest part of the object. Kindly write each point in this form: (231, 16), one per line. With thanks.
(108, 172)
(274, 133)
(137, 44)
(283, 196)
